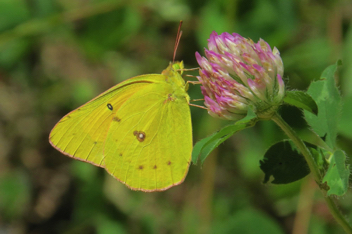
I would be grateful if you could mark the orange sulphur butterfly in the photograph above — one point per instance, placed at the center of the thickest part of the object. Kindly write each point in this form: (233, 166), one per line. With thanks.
(139, 131)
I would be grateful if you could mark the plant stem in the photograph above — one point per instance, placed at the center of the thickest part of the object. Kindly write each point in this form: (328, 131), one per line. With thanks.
(314, 170)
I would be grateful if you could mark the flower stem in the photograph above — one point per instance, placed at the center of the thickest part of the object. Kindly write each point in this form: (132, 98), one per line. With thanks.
(314, 170)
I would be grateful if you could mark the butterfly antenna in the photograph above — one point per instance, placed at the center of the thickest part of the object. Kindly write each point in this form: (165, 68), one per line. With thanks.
(178, 38)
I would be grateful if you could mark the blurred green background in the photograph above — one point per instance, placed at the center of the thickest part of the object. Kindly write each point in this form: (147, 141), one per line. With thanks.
(57, 54)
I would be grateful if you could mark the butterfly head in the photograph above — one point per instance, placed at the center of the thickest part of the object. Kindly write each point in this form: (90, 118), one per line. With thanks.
(178, 67)
(174, 73)
(173, 69)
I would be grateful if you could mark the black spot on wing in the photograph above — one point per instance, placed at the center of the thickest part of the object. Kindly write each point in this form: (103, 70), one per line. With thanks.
(110, 106)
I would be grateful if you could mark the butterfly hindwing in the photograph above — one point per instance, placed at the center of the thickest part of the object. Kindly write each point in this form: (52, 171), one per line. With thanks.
(149, 148)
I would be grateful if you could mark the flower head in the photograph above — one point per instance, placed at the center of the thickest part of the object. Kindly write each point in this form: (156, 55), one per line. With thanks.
(238, 74)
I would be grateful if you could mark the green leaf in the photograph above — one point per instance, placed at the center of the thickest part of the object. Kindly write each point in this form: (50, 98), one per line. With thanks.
(345, 126)
(205, 146)
(250, 117)
(197, 148)
(327, 97)
(284, 162)
(319, 157)
(302, 100)
(219, 138)
(337, 174)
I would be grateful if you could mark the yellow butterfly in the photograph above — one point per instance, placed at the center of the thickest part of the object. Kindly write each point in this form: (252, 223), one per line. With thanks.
(139, 131)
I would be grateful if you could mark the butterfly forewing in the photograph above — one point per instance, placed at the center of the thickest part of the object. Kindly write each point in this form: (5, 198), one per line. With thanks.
(82, 133)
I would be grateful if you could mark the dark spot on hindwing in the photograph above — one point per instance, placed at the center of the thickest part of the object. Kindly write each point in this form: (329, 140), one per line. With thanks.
(120, 154)
(117, 119)
(110, 106)
(155, 167)
(139, 135)
(140, 167)
(169, 163)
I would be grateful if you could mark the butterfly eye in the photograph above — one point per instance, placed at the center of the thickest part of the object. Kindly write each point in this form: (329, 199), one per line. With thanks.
(110, 106)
